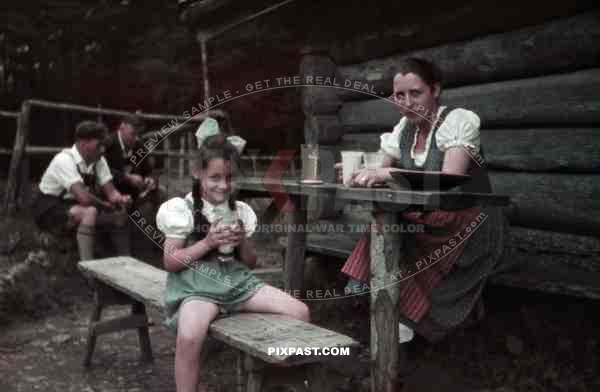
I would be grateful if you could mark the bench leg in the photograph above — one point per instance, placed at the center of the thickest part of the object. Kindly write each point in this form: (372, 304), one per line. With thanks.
(91, 335)
(254, 374)
(317, 378)
(138, 308)
(105, 296)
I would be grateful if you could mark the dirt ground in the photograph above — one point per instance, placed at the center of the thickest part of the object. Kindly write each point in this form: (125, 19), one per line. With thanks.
(527, 342)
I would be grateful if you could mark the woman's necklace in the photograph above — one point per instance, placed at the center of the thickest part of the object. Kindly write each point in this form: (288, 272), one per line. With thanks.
(413, 153)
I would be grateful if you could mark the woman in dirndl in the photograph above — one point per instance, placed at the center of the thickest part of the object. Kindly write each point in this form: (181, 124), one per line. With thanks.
(433, 137)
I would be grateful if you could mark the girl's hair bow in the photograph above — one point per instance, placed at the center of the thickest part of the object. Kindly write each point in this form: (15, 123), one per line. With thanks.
(210, 127)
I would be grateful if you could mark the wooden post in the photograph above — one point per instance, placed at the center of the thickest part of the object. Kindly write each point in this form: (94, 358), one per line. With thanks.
(16, 161)
(167, 144)
(190, 147)
(320, 105)
(296, 247)
(181, 160)
(387, 249)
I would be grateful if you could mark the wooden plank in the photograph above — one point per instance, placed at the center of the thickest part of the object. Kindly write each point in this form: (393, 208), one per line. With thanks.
(249, 332)
(511, 55)
(567, 150)
(558, 202)
(139, 280)
(386, 249)
(384, 197)
(557, 100)
(144, 282)
(254, 333)
(21, 139)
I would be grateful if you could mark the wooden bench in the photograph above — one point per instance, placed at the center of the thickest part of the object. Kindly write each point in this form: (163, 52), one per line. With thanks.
(125, 280)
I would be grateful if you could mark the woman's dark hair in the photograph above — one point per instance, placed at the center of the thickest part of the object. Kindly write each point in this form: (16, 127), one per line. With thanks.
(425, 69)
(214, 147)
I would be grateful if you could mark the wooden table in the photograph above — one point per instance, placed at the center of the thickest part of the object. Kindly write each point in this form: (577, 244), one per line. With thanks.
(386, 249)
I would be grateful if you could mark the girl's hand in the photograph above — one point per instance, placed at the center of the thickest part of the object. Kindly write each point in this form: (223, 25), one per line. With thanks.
(369, 177)
(238, 234)
(218, 235)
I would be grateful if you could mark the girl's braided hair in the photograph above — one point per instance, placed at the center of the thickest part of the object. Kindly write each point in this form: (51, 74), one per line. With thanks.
(214, 147)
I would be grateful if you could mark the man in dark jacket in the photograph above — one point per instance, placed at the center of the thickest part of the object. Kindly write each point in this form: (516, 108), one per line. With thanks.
(129, 177)
(133, 177)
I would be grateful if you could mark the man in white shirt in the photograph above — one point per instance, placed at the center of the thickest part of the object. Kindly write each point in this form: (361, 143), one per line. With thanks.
(71, 191)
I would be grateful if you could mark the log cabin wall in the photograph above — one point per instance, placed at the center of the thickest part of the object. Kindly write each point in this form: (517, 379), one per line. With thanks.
(535, 90)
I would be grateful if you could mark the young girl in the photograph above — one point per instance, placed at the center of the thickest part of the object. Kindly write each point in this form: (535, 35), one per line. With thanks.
(204, 279)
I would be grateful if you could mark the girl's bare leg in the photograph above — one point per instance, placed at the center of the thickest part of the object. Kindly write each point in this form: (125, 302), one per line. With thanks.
(269, 299)
(194, 319)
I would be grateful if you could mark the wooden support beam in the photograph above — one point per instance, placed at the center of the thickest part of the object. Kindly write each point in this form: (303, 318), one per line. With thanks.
(294, 261)
(387, 249)
(21, 138)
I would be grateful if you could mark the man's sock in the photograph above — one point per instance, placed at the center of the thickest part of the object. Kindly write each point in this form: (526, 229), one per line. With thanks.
(85, 241)
(120, 234)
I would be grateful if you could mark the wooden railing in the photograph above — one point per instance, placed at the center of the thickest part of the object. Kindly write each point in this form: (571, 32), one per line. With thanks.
(18, 173)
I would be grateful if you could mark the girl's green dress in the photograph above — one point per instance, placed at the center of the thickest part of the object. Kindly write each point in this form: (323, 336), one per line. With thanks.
(227, 284)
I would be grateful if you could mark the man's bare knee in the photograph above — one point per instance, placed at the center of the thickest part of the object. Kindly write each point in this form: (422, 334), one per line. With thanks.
(88, 215)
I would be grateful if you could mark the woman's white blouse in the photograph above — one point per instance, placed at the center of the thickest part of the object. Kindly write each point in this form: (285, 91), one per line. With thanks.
(175, 217)
(460, 128)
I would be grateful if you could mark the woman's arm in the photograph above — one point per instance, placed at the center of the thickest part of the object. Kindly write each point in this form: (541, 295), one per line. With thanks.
(369, 177)
(456, 161)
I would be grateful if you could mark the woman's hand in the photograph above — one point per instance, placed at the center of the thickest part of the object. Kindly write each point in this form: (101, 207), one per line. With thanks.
(370, 177)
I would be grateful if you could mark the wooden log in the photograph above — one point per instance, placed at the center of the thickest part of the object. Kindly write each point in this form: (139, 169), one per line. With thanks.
(411, 29)
(386, 249)
(563, 150)
(533, 259)
(551, 150)
(318, 99)
(568, 99)
(551, 262)
(16, 160)
(554, 248)
(511, 55)
(322, 129)
(557, 202)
